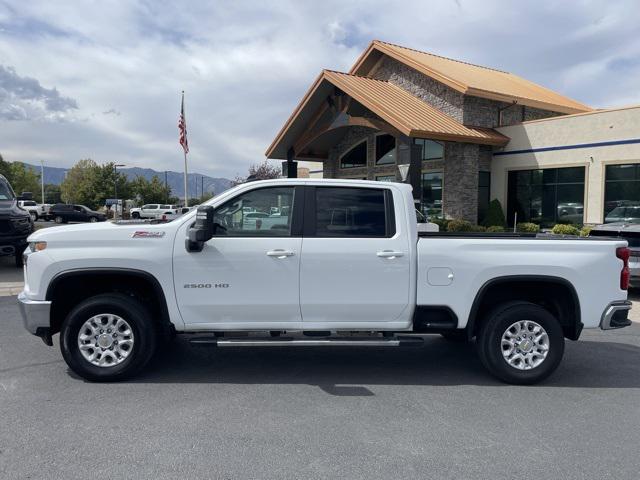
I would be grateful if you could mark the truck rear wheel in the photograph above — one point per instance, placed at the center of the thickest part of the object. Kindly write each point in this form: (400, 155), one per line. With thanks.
(108, 338)
(520, 343)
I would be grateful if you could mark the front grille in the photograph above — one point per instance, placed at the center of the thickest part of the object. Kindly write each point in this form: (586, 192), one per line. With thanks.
(5, 226)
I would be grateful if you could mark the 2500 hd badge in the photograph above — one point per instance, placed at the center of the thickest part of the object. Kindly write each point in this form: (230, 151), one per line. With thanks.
(206, 285)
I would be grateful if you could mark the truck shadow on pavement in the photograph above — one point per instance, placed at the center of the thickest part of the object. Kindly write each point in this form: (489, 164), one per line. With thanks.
(347, 371)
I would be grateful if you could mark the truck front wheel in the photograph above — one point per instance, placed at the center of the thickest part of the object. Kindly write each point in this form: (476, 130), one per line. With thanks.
(520, 343)
(108, 338)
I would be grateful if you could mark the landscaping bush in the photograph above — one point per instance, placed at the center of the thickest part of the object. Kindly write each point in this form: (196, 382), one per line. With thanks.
(495, 229)
(495, 214)
(528, 227)
(584, 231)
(479, 228)
(563, 229)
(441, 222)
(459, 226)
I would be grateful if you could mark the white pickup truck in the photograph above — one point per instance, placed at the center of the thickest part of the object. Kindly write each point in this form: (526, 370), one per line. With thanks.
(342, 264)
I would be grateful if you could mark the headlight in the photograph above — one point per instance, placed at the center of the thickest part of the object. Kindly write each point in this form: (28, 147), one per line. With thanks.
(37, 246)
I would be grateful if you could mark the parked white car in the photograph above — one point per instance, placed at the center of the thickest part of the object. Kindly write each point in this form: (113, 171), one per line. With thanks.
(153, 210)
(347, 267)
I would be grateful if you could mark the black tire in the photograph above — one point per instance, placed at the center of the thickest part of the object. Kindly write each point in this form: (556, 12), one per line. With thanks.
(455, 336)
(59, 220)
(489, 342)
(34, 216)
(93, 219)
(135, 215)
(145, 334)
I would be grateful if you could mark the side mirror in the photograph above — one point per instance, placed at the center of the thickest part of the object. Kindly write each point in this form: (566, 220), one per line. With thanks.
(202, 230)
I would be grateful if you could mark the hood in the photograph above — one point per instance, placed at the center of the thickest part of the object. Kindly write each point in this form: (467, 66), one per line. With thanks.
(10, 208)
(103, 234)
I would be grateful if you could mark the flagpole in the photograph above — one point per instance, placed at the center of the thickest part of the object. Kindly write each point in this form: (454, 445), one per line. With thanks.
(186, 194)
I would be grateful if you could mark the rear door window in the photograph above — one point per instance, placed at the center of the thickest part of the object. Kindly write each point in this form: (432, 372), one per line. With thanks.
(353, 212)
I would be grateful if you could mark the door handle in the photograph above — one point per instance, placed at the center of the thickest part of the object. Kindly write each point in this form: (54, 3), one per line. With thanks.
(390, 254)
(280, 253)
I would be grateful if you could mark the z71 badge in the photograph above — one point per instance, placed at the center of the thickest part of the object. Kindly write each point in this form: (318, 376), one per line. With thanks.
(148, 234)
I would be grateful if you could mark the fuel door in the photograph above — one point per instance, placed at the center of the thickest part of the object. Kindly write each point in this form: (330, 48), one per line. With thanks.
(439, 276)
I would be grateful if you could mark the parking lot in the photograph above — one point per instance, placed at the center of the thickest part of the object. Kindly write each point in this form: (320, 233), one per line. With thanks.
(432, 412)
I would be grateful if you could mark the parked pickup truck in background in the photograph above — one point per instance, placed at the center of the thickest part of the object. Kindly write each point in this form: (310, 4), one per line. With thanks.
(64, 213)
(37, 212)
(339, 263)
(15, 224)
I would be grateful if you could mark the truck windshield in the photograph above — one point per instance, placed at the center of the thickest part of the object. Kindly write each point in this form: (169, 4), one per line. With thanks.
(5, 190)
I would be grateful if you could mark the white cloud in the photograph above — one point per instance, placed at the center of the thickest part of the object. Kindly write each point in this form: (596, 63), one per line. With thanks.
(245, 65)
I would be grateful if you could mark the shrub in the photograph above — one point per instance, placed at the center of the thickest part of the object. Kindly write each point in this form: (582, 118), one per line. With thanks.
(441, 222)
(479, 228)
(459, 226)
(563, 229)
(585, 231)
(495, 229)
(495, 214)
(528, 227)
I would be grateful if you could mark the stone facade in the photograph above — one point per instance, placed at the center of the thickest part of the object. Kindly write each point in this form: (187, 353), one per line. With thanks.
(462, 161)
(460, 181)
(436, 94)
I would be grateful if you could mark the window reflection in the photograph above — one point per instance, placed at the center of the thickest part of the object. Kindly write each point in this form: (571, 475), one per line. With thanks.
(432, 194)
(546, 197)
(622, 193)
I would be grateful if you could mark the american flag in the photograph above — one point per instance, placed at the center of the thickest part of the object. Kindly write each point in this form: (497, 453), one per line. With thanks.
(182, 127)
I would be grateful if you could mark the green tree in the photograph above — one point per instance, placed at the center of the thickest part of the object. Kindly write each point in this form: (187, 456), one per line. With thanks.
(495, 215)
(52, 193)
(24, 179)
(77, 186)
(5, 168)
(21, 178)
(90, 184)
(149, 191)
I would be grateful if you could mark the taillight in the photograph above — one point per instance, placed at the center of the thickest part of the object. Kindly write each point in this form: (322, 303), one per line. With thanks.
(623, 254)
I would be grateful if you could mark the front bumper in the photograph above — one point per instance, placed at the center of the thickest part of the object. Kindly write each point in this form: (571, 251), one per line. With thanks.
(35, 316)
(10, 244)
(616, 315)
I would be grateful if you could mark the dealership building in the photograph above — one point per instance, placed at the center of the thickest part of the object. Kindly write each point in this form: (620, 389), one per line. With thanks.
(464, 134)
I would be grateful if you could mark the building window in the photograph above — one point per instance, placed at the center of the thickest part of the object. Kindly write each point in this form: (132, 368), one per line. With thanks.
(386, 178)
(355, 157)
(431, 150)
(484, 191)
(385, 149)
(546, 197)
(622, 193)
(432, 194)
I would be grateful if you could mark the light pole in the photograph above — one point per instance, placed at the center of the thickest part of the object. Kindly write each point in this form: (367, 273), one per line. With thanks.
(42, 180)
(115, 186)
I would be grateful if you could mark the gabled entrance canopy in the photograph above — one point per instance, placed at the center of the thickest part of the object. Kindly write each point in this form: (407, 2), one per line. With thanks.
(338, 100)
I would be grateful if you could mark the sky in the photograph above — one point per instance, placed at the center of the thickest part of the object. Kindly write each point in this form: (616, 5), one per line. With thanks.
(102, 79)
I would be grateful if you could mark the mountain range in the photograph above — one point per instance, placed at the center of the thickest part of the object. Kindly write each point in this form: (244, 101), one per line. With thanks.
(55, 175)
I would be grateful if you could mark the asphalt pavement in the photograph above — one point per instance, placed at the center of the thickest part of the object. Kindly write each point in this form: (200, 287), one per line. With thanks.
(428, 412)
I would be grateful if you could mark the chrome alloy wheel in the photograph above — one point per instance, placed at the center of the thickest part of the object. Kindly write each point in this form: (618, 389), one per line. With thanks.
(105, 340)
(525, 345)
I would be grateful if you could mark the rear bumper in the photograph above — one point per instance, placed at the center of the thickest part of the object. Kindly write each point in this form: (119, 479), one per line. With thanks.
(35, 314)
(616, 315)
